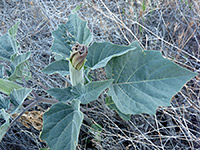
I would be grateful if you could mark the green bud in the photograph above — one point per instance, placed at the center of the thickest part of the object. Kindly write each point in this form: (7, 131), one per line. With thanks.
(77, 60)
(78, 55)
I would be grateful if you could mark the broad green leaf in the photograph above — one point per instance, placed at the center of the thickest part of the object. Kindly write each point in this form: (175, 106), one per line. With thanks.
(4, 127)
(18, 96)
(79, 29)
(100, 53)
(8, 43)
(144, 80)
(62, 94)
(85, 93)
(91, 91)
(21, 58)
(60, 42)
(7, 86)
(60, 66)
(6, 50)
(58, 57)
(19, 63)
(4, 103)
(111, 105)
(61, 126)
(12, 34)
(75, 30)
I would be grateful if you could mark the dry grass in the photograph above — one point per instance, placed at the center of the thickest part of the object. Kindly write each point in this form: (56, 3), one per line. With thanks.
(171, 27)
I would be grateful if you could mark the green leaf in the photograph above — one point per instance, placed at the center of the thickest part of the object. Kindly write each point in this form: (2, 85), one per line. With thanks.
(79, 29)
(8, 43)
(62, 125)
(75, 30)
(12, 34)
(60, 66)
(20, 59)
(58, 57)
(6, 49)
(62, 94)
(8, 86)
(4, 127)
(85, 93)
(91, 91)
(19, 64)
(60, 45)
(4, 103)
(111, 105)
(18, 96)
(100, 53)
(144, 80)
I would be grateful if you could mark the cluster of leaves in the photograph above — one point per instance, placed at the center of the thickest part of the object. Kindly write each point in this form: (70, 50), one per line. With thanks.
(11, 71)
(138, 80)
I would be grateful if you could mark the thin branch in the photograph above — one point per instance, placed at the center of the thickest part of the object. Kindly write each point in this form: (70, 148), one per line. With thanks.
(68, 81)
(27, 108)
(37, 100)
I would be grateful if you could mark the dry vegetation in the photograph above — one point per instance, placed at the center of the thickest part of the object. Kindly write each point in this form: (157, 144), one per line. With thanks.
(169, 26)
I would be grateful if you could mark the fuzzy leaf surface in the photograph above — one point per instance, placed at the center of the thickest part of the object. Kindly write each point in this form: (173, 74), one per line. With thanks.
(19, 63)
(100, 53)
(62, 94)
(109, 102)
(85, 93)
(4, 103)
(60, 45)
(8, 43)
(79, 29)
(12, 36)
(60, 66)
(91, 91)
(18, 96)
(7, 86)
(75, 30)
(62, 125)
(144, 80)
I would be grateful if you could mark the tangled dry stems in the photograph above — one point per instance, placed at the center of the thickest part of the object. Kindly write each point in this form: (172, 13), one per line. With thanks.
(171, 27)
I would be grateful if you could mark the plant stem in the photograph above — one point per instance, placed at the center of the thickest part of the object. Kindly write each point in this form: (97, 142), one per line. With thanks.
(76, 76)
(65, 79)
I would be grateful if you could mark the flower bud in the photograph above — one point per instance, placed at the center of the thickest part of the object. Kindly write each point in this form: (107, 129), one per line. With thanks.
(76, 63)
(78, 55)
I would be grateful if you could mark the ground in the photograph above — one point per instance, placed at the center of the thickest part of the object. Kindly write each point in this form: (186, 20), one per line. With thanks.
(171, 27)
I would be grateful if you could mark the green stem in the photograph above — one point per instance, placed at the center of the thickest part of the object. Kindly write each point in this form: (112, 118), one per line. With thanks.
(76, 76)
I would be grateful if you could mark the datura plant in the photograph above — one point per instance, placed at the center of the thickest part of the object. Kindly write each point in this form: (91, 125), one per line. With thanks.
(138, 81)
